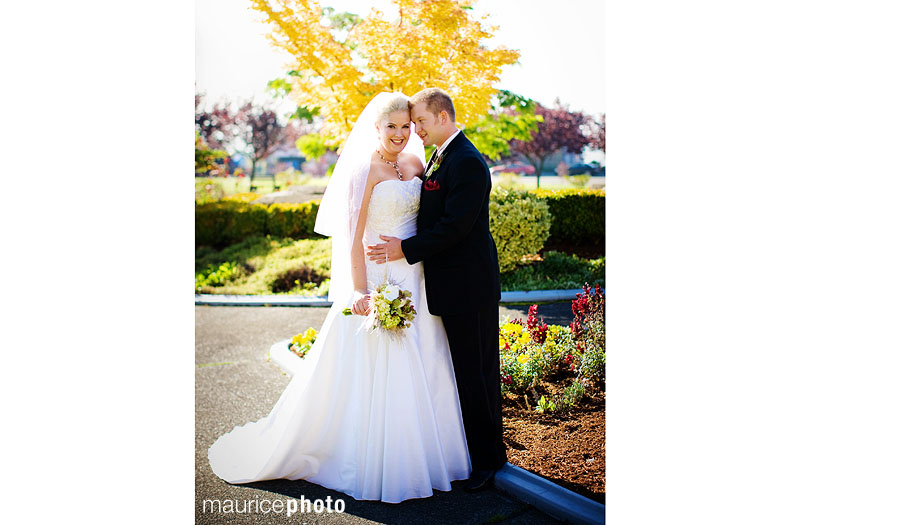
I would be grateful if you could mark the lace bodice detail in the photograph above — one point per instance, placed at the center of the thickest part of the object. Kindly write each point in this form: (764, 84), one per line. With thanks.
(393, 208)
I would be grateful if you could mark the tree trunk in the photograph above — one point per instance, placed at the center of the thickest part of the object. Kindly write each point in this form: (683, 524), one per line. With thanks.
(538, 173)
(252, 172)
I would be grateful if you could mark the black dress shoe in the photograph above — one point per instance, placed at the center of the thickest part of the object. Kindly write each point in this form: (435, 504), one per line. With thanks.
(479, 480)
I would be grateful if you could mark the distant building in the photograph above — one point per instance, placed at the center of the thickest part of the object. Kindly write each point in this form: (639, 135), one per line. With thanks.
(553, 161)
(285, 157)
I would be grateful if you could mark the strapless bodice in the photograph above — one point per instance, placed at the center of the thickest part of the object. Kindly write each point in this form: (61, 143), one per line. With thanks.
(393, 208)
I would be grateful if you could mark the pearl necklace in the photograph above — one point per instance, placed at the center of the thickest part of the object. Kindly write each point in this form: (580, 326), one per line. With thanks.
(395, 165)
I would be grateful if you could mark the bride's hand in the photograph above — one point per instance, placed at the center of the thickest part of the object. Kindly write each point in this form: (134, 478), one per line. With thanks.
(361, 304)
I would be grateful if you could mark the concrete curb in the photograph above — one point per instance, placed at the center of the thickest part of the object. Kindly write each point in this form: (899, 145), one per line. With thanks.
(550, 498)
(259, 300)
(283, 357)
(535, 296)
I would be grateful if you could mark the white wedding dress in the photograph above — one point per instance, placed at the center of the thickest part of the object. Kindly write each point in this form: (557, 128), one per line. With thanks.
(367, 413)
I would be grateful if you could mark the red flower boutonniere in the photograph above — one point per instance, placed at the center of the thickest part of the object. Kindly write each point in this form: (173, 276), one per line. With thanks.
(432, 185)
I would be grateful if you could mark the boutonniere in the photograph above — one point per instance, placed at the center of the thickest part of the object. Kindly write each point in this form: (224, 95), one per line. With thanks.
(434, 165)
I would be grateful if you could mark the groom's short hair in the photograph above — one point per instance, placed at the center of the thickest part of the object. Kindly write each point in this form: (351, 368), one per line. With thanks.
(436, 100)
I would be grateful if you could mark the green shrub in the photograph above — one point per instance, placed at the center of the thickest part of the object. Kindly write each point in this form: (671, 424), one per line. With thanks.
(557, 270)
(292, 220)
(216, 275)
(579, 216)
(301, 276)
(226, 222)
(520, 224)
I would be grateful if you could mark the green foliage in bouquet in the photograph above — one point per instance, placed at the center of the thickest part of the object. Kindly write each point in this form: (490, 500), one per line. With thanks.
(393, 307)
(520, 224)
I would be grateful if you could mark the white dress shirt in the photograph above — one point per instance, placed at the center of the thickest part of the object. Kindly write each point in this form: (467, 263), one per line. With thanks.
(447, 142)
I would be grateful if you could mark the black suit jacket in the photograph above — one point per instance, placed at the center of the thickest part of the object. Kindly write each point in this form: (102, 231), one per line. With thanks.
(454, 237)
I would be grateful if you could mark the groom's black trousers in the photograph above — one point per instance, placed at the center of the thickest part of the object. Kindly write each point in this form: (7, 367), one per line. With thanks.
(475, 348)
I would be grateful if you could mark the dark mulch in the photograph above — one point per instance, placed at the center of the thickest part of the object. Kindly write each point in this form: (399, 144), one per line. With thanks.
(568, 449)
(586, 251)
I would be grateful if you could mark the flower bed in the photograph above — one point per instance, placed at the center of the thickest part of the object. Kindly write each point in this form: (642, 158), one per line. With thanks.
(549, 368)
(553, 384)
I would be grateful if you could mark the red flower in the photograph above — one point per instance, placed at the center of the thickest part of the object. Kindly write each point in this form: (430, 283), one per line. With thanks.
(537, 328)
(432, 185)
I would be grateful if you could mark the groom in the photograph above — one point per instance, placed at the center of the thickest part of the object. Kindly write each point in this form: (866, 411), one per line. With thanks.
(462, 277)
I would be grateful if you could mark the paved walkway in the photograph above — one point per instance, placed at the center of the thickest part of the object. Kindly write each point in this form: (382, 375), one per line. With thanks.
(235, 384)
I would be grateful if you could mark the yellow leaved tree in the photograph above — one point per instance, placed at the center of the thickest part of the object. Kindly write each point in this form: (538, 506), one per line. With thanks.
(342, 60)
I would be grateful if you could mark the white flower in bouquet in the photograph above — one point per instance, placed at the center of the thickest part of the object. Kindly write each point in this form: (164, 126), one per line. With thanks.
(391, 292)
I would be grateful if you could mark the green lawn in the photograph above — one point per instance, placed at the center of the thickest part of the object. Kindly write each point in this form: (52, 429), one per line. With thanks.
(232, 185)
(265, 265)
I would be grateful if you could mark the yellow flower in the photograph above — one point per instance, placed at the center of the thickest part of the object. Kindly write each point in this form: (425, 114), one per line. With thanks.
(305, 337)
(522, 359)
(512, 328)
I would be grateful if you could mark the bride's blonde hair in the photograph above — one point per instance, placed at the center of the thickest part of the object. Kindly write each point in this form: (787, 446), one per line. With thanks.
(397, 103)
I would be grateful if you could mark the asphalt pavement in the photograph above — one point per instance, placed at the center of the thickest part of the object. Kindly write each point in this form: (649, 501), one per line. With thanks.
(236, 384)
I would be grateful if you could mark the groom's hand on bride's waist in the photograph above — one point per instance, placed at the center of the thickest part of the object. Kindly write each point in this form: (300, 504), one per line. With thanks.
(390, 250)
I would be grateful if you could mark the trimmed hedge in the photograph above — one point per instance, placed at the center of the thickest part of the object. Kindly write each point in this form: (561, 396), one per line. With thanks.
(219, 224)
(292, 220)
(579, 216)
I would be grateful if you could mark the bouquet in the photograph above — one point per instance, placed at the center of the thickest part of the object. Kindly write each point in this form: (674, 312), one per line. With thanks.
(392, 308)
(301, 343)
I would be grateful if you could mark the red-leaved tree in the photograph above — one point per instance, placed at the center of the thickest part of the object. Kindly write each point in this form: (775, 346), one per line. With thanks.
(213, 125)
(258, 133)
(561, 129)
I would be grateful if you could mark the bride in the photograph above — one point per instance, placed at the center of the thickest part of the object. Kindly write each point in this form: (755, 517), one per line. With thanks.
(370, 414)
